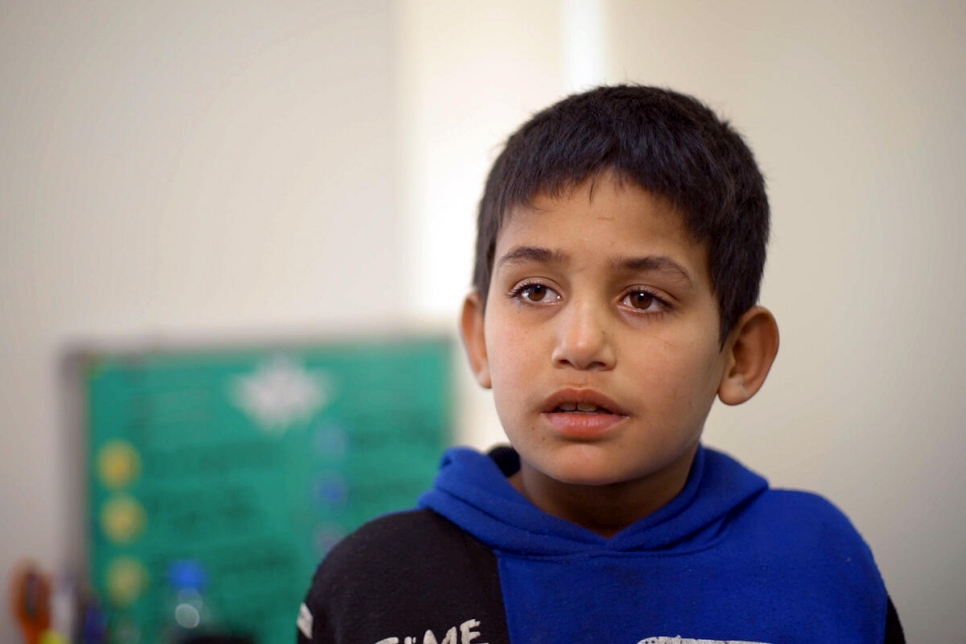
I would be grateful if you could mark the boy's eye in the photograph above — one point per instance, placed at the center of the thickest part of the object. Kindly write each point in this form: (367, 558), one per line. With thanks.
(536, 293)
(642, 300)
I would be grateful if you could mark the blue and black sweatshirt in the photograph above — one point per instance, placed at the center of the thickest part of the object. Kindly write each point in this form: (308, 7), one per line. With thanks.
(727, 560)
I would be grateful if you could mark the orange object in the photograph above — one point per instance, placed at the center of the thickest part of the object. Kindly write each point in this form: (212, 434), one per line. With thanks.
(30, 601)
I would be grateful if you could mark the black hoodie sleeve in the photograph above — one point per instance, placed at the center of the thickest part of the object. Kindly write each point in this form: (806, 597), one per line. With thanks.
(893, 634)
(403, 575)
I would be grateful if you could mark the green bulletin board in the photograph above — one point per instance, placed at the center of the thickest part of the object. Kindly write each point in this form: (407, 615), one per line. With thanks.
(251, 462)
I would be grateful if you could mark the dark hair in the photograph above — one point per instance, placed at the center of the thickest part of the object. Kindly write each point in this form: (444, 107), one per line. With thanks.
(666, 142)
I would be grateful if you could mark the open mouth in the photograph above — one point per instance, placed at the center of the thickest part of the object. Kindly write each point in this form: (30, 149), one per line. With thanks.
(580, 408)
(582, 414)
(581, 402)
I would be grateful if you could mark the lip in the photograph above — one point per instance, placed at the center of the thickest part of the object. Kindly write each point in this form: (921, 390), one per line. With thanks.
(582, 425)
(591, 396)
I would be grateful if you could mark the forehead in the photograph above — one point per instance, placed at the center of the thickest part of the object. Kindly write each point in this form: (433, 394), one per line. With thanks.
(602, 216)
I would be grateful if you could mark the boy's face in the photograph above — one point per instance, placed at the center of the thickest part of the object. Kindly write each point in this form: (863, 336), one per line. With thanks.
(600, 337)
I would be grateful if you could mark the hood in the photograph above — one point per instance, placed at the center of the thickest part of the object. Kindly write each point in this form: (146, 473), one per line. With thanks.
(472, 492)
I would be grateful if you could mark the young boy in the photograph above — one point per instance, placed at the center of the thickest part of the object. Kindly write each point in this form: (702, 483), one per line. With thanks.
(621, 242)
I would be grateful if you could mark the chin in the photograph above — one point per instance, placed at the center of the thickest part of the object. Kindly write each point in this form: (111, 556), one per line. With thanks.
(587, 473)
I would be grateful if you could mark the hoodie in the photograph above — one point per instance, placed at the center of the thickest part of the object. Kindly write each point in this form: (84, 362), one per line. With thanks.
(727, 560)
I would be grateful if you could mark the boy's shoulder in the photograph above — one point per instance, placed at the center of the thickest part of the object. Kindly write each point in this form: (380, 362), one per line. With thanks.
(803, 505)
(803, 517)
(400, 576)
(786, 523)
(795, 514)
(402, 541)
(793, 531)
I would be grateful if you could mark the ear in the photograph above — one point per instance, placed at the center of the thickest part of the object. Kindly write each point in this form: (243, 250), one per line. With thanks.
(474, 341)
(751, 349)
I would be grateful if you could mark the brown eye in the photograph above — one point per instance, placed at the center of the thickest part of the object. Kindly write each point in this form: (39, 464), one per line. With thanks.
(644, 301)
(641, 300)
(533, 293)
(536, 292)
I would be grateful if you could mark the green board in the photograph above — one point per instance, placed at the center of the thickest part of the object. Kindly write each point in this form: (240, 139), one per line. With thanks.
(251, 463)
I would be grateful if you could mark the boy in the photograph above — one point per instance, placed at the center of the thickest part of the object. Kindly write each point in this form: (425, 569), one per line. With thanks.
(621, 243)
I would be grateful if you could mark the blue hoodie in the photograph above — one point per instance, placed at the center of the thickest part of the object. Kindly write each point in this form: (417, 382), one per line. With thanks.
(728, 559)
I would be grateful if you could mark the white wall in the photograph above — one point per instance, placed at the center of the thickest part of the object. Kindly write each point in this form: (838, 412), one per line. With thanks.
(180, 169)
(206, 168)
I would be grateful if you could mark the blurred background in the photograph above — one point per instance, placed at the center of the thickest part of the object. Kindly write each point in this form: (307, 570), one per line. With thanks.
(185, 172)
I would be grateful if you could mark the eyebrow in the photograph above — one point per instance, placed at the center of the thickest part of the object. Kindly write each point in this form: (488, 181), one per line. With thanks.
(646, 264)
(652, 263)
(522, 254)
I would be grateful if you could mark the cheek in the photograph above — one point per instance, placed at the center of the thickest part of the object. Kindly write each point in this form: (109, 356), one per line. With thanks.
(682, 370)
(510, 346)
(705, 374)
(502, 350)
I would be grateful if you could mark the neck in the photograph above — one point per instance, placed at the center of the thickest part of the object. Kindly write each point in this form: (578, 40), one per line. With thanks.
(603, 509)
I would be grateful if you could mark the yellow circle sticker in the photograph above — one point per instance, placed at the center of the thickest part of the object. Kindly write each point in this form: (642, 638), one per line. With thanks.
(118, 464)
(126, 579)
(122, 519)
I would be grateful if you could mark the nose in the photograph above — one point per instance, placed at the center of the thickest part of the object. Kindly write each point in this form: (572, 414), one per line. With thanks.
(583, 340)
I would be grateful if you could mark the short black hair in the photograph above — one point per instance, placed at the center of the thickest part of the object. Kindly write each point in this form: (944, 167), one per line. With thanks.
(668, 143)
